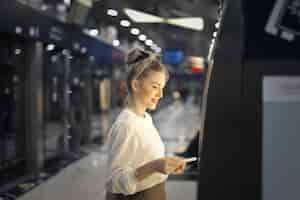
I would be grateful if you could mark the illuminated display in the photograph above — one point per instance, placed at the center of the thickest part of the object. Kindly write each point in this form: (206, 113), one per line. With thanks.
(172, 57)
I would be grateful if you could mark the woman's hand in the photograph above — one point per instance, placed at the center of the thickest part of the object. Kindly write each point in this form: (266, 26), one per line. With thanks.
(166, 165)
(169, 165)
(180, 167)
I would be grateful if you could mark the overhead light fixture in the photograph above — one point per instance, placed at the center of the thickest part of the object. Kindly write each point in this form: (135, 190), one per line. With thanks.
(18, 51)
(135, 31)
(67, 2)
(112, 12)
(125, 23)
(116, 43)
(195, 23)
(142, 37)
(19, 30)
(213, 40)
(153, 47)
(215, 34)
(141, 17)
(217, 25)
(94, 32)
(50, 47)
(149, 42)
(158, 50)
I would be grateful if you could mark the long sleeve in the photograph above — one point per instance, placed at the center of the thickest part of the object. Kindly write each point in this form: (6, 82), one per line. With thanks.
(124, 145)
(132, 142)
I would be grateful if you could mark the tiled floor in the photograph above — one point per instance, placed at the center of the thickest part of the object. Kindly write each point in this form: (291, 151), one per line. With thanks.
(84, 180)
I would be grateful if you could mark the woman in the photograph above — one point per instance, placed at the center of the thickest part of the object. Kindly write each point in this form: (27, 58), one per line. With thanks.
(137, 164)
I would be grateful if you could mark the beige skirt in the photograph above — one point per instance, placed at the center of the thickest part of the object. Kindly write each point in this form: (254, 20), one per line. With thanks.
(157, 192)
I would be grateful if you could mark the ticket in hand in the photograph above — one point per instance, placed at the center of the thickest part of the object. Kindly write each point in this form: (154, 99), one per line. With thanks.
(191, 159)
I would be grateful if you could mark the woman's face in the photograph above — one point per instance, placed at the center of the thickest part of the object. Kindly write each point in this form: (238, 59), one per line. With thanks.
(150, 89)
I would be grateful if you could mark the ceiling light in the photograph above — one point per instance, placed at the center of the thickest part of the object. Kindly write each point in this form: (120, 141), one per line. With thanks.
(116, 43)
(93, 32)
(135, 31)
(215, 34)
(217, 25)
(149, 42)
(195, 23)
(19, 30)
(141, 17)
(67, 2)
(153, 47)
(50, 47)
(125, 23)
(158, 50)
(18, 51)
(112, 12)
(142, 37)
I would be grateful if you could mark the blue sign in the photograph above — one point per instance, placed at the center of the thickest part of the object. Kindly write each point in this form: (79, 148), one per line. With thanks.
(172, 57)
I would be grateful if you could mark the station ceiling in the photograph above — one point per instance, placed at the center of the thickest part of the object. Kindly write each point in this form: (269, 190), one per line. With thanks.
(168, 37)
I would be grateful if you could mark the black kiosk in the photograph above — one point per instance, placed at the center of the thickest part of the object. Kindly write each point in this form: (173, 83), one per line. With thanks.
(251, 106)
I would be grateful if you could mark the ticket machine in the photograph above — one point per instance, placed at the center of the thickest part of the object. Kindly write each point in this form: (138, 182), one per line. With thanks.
(251, 105)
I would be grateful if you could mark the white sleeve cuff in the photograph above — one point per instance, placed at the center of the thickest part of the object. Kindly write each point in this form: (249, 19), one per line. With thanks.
(127, 182)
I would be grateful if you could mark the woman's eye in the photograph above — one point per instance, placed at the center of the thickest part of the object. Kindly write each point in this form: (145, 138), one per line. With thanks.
(154, 86)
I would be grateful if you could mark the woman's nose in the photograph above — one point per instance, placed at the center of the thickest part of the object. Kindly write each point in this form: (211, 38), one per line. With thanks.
(160, 93)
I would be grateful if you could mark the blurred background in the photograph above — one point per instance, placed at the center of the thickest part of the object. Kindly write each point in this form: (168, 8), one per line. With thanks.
(232, 65)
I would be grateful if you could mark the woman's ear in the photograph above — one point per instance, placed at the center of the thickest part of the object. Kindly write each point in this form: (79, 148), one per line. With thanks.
(135, 85)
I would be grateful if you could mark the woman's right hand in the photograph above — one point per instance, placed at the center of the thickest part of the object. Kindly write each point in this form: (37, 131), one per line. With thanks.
(169, 165)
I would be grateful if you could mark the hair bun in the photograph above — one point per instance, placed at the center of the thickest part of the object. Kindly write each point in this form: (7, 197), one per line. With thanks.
(133, 55)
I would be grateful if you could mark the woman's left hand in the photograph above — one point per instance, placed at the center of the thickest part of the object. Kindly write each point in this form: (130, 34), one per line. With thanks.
(181, 166)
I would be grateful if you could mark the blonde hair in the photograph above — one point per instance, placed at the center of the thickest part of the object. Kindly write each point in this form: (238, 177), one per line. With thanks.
(141, 63)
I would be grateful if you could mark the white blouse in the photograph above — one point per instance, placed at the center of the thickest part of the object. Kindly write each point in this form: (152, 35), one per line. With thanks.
(133, 142)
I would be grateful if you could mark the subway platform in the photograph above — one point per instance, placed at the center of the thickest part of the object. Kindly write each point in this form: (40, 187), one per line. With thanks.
(84, 179)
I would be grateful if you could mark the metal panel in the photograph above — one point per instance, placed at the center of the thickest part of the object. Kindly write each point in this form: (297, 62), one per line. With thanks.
(231, 158)
(220, 165)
